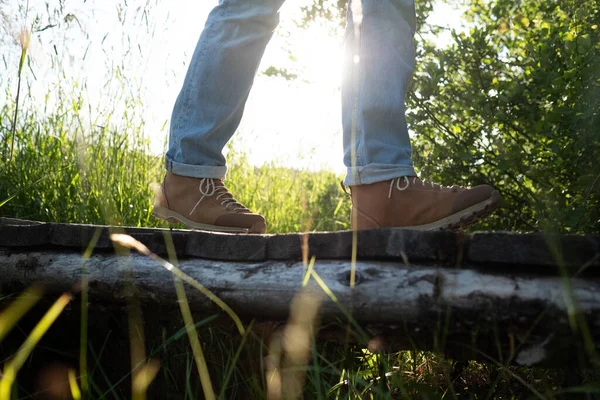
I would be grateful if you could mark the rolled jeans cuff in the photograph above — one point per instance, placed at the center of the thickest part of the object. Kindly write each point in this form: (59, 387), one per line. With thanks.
(195, 171)
(376, 173)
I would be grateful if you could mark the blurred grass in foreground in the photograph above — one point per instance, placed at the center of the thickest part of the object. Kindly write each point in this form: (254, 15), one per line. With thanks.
(63, 171)
(73, 164)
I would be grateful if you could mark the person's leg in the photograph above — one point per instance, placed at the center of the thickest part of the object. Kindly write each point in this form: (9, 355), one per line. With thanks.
(210, 105)
(376, 142)
(377, 151)
(207, 113)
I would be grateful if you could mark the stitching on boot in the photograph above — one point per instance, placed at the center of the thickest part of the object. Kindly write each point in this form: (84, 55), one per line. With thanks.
(371, 220)
(163, 187)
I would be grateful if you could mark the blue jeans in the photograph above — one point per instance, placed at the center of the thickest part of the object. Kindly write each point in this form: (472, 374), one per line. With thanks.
(209, 107)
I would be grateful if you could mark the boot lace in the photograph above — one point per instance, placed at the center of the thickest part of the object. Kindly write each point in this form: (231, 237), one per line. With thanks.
(404, 182)
(208, 188)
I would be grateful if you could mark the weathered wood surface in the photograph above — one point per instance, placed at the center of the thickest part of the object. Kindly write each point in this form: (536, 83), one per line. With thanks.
(541, 253)
(429, 290)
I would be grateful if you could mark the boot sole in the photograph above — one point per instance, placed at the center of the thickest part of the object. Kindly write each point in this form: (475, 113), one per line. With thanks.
(465, 217)
(176, 218)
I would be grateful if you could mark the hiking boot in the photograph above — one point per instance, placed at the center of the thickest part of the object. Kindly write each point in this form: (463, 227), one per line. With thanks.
(410, 202)
(206, 204)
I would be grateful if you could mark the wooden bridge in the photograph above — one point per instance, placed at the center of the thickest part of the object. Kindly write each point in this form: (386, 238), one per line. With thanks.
(527, 299)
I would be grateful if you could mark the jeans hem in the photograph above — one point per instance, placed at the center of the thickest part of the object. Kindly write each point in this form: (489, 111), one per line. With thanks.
(195, 171)
(376, 173)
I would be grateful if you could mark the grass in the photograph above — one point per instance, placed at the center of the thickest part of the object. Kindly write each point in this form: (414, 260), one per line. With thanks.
(59, 166)
(107, 177)
(61, 172)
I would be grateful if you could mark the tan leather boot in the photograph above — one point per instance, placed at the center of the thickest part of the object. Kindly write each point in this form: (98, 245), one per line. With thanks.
(412, 203)
(204, 203)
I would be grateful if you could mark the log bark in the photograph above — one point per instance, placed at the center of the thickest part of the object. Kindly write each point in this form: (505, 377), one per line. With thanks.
(467, 313)
(529, 299)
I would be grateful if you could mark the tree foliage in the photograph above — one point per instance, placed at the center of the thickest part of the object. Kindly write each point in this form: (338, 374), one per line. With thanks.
(514, 101)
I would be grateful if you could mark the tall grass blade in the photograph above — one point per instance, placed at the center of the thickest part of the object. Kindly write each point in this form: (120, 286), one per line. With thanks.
(273, 366)
(297, 342)
(24, 40)
(510, 372)
(357, 18)
(137, 345)
(84, 312)
(75, 392)
(18, 192)
(13, 366)
(111, 386)
(129, 242)
(576, 319)
(184, 305)
(309, 271)
(209, 393)
(354, 256)
(180, 333)
(144, 377)
(10, 316)
(334, 298)
(233, 361)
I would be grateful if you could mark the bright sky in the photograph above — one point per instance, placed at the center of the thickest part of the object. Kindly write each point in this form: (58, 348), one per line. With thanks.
(296, 123)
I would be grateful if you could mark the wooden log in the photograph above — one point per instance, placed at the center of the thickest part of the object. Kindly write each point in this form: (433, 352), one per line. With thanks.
(467, 313)
(524, 298)
(506, 252)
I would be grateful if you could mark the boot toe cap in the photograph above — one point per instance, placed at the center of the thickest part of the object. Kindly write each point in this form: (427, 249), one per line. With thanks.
(253, 222)
(474, 196)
